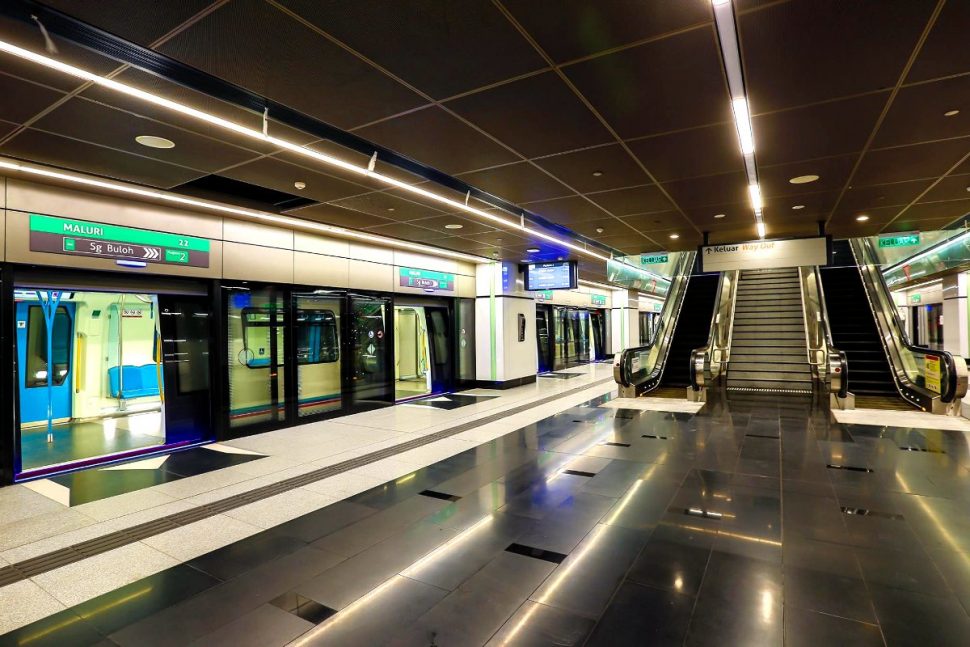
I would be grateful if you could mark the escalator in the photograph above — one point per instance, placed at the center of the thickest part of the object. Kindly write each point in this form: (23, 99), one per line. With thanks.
(693, 327)
(854, 332)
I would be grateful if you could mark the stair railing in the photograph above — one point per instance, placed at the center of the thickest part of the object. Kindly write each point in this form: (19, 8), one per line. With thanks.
(710, 362)
(930, 379)
(828, 364)
(639, 369)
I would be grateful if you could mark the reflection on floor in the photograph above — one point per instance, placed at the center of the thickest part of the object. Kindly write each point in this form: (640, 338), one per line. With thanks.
(74, 441)
(450, 400)
(757, 521)
(559, 375)
(409, 388)
(95, 484)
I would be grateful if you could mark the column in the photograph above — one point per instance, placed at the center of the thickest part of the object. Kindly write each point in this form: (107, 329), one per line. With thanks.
(955, 328)
(625, 318)
(505, 327)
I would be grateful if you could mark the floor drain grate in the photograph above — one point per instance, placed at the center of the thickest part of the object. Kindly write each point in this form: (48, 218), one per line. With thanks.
(864, 512)
(851, 468)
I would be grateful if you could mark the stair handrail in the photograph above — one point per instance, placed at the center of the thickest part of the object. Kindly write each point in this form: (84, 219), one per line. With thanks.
(907, 361)
(638, 368)
(828, 363)
(708, 362)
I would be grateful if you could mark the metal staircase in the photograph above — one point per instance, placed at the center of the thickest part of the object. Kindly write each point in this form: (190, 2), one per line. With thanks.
(769, 350)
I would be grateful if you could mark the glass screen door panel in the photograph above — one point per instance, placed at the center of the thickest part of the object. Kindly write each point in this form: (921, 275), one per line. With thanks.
(185, 329)
(256, 336)
(371, 368)
(440, 338)
(317, 347)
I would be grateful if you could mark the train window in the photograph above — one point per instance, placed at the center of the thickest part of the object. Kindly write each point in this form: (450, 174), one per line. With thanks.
(317, 341)
(258, 325)
(37, 365)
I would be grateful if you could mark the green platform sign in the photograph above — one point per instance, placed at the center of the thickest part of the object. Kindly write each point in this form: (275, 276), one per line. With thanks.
(597, 299)
(915, 298)
(426, 280)
(654, 259)
(85, 238)
(544, 295)
(899, 240)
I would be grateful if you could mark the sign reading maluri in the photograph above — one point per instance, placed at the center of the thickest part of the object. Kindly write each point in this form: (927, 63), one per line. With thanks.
(83, 238)
(899, 240)
(931, 373)
(426, 279)
(597, 300)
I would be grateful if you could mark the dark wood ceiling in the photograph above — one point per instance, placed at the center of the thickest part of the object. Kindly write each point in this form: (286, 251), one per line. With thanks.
(610, 118)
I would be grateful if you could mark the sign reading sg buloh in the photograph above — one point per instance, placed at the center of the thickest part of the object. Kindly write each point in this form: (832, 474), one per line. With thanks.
(763, 254)
(84, 238)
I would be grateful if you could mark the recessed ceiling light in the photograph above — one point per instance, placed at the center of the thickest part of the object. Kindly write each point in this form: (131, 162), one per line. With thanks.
(525, 260)
(300, 185)
(597, 173)
(154, 142)
(798, 206)
(862, 218)
(951, 113)
(494, 253)
(600, 230)
(533, 250)
(390, 208)
(454, 226)
(718, 216)
(675, 236)
(803, 179)
(561, 258)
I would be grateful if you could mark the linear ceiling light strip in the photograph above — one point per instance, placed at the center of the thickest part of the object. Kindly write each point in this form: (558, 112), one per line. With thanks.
(251, 214)
(727, 34)
(284, 144)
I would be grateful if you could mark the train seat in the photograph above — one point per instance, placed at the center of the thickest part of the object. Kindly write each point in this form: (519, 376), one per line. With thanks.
(139, 381)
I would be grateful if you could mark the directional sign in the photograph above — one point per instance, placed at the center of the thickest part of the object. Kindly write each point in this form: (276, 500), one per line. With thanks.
(900, 240)
(654, 259)
(84, 238)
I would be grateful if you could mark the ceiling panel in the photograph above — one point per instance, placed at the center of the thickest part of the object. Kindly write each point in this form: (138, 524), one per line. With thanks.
(536, 116)
(518, 183)
(442, 48)
(860, 198)
(86, 120)
(469, 226)
(632, 200)
(910, 162)
(388, 206)
(257, 46)
(650, 222)
(833, 173)
(438, 139)
(495, 238)
(727, 188)
(30, 98)
(568, 29)
(804, 51)
(6, 128)
(609, 225)
(45, 148)
(276, 174)
(945, 51)
(340, 216)
(565, 211)
(615, 167)
(735, 215)
(952, 187)
(691, 153)
(407, 231)
(140, 21)
(627, 244)
(917, 113)
(625, 86)
(820, 130)
(952, 209)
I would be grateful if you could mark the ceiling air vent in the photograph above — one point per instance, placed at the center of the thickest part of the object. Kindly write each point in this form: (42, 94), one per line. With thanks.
(224, 189)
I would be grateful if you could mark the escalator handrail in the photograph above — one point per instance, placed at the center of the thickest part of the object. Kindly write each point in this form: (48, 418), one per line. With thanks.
(622, 363)
(838, 365)
(954, 389)
(704, 356)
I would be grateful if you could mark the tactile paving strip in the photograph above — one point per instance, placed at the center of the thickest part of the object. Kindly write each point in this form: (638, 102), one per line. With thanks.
(70, 554)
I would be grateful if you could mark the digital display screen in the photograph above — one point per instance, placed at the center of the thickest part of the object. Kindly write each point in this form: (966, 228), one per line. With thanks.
(561, 275)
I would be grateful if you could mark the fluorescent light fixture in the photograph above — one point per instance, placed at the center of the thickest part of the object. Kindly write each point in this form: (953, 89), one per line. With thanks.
(289, 146)
(761, 229)
(126, 263)
(742, 120)
(249, 214)
(754, 192)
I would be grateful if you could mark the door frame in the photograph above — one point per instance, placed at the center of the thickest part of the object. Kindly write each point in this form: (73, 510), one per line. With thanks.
(450, 305)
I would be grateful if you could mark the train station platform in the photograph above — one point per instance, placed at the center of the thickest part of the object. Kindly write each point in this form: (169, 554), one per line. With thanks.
(553, 513)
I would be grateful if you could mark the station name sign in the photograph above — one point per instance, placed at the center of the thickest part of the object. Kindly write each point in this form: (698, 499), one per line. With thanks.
(763, 254)
(426, 280)
(84, 238)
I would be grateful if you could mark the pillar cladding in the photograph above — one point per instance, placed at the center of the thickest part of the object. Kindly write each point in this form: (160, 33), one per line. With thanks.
(625, 320)
(955, 327)
(505, 327)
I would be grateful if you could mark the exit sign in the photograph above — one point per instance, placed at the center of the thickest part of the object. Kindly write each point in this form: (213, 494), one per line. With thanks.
(653, 259)
(915, 298)
(899, 240)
